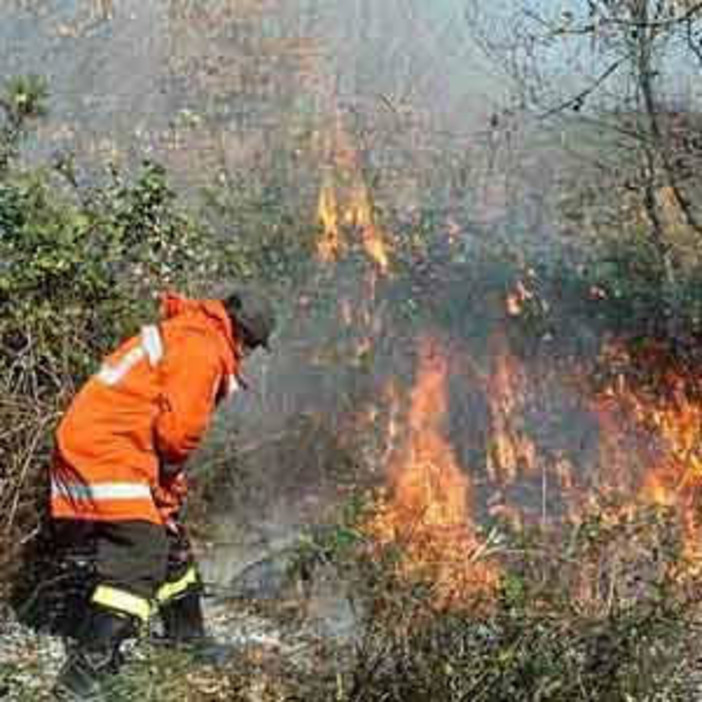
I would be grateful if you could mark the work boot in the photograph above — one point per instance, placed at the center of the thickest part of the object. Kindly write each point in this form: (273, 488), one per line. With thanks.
(184, 626)
(95, 657)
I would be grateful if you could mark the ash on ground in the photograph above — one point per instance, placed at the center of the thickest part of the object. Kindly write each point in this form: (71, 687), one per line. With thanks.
(266, 613)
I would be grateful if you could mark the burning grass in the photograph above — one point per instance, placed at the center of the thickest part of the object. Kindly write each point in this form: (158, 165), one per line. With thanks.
(428, 510)
(600, 603)
(597, 611)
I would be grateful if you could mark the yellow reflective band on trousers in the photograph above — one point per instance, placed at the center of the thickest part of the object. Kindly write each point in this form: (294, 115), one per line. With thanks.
(170, 590)
(122, 601)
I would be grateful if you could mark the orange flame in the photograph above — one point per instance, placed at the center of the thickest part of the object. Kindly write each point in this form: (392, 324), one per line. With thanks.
(345, 202)
(329, 244)
(511, 449)
(360, 215)
(429, 508)
(670, 414)
(357, 216)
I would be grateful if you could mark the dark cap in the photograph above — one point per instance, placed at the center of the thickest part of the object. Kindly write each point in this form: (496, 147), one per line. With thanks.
(253, 316)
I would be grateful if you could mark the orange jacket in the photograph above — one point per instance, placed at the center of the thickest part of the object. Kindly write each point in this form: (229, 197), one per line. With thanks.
(145, 410)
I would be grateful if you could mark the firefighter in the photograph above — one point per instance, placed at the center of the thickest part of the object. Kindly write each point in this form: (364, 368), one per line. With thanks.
(118, 481)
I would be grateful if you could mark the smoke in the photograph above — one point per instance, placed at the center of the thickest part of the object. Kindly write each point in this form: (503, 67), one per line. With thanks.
(392, 96)
(183, 83)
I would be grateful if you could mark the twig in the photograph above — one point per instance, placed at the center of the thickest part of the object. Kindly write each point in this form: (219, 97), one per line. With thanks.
(29, 456)
(580, 98)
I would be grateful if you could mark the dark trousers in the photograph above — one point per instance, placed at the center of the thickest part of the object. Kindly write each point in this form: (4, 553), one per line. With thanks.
(130, 556)
(72, 559)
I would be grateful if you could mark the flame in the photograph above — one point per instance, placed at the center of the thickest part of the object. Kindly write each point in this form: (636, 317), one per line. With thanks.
(345, 204)
(428, 510)
(650, 453)
(360, 215)
(511, 449)
(329, 245)
(354, 215)
(615, 448)
(669, 413)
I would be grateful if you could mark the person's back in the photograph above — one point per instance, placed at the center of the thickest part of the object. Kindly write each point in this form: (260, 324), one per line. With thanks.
(150, 401)
(104, 459)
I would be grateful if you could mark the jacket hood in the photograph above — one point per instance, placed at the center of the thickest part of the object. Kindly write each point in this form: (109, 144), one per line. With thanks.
(174, 305)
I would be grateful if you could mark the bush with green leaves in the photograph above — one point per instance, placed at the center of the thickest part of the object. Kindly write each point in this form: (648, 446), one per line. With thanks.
(24, 100)
(75, 277)
(80, 269)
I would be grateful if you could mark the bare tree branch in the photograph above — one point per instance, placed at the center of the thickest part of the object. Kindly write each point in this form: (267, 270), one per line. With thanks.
(694, 46)
(577, 101)
(593, 27)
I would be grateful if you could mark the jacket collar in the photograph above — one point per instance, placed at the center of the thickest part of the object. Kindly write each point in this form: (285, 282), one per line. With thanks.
(174, 305)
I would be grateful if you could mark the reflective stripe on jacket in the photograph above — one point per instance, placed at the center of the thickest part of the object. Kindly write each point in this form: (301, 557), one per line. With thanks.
(150, 403)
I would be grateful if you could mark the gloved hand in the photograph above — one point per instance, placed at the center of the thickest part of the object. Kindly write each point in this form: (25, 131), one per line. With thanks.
(169, 495)
(180, 552)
